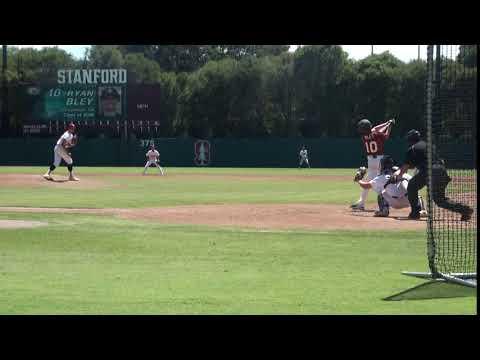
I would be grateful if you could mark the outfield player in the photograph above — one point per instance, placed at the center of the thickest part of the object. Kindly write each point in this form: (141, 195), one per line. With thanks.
(373, 140)
(153, 157)
(390, 195)
(62, 151)
(303, 157)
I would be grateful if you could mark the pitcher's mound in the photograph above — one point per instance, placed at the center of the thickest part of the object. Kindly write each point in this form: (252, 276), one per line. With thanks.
(20, 224)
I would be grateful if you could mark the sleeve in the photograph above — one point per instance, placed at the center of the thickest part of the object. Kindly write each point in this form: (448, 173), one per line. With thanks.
(381, 136)
(388, 132)
(409, 158)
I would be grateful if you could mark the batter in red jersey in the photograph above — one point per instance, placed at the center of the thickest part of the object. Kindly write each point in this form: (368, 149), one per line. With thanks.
(373, 142)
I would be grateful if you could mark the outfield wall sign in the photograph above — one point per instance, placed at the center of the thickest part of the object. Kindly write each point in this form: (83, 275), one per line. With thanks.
(202, 152)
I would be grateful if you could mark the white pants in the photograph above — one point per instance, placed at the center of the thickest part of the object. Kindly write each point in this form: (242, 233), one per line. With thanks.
(372, 172)
(304, 160)
(61, 153)
(150, 163)
(396, 203)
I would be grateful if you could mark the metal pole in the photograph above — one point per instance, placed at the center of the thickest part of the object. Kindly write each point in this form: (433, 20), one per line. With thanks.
(372, 50)
(431, 250)
(4, 122)
(438, 69)
(437, 79)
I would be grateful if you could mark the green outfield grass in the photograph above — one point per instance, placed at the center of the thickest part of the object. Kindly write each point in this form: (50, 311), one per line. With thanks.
(180, 187)
(85, 264)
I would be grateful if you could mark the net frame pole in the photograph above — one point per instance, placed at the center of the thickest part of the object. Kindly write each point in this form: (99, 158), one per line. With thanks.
(428, 105)
(432, 118)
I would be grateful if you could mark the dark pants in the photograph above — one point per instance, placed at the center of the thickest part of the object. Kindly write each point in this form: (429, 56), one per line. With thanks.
(440, 180)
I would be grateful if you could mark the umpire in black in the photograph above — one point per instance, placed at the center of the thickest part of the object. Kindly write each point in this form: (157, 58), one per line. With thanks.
(416, 157)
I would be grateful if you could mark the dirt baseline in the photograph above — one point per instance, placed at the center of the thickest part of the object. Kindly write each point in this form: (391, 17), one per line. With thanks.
(256, 216)
(20, 224)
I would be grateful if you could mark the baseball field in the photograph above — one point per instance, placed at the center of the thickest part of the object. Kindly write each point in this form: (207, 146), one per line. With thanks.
(204, 241)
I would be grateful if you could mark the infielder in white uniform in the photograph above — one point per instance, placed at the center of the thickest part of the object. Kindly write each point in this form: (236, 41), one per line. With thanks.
(391, 195)
(303, 157)
(153, 157)
(61, 151)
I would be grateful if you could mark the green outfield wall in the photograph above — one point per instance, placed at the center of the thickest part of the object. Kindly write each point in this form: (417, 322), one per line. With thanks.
(185, 152)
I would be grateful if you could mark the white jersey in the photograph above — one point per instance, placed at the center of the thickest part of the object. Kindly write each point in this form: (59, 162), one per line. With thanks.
(397, 190)
(153, 155)
(304, 154)
(67, 136)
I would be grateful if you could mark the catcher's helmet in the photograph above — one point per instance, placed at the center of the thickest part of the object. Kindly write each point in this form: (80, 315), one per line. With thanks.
(364, 127)
(413, 136)
(386, 164)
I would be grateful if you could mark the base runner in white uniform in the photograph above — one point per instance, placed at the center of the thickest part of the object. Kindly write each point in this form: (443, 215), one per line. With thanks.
(303, 157)
(391, 195)
(153, 157)
(61, 151)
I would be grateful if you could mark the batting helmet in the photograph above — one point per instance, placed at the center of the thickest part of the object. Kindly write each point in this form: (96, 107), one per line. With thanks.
(386, 164)
(413, 136)
(364, 127)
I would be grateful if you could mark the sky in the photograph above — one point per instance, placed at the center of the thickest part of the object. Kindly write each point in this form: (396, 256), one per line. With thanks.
(357, 52)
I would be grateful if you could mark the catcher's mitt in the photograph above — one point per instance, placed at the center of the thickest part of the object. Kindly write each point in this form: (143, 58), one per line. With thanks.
(359, 175)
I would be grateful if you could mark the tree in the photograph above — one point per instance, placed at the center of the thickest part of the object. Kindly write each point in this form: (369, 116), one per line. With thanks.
(468, 55)
(411, 98)
(141, 70)
(105, 57)
(318, 73)
(239, 52)
(181, 58)
(278, 95)
(29, 65)
(377, 85)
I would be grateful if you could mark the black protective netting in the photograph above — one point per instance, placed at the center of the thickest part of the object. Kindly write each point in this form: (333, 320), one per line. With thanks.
(453, 143)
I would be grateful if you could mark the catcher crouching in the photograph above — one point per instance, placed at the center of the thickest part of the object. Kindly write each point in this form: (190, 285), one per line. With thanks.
(390, 194)
(62, 151)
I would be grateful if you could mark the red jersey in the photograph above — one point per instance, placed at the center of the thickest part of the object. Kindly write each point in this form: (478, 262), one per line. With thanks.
(374, 143)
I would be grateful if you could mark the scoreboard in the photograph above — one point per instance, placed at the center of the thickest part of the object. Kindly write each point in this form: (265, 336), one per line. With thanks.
(89, 105)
